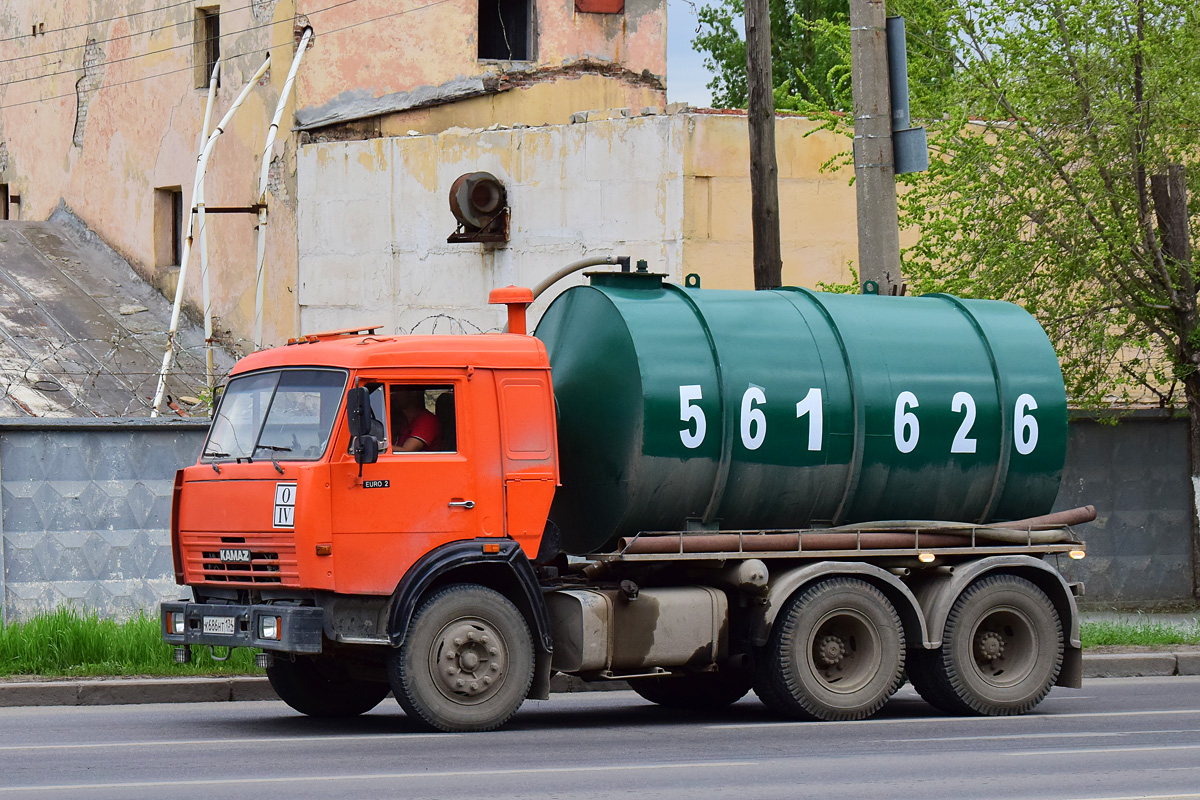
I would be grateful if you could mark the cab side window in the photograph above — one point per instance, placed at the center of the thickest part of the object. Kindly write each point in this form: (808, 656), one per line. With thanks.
(423, 418)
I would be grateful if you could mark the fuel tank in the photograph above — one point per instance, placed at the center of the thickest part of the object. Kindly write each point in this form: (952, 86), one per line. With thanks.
(689, 408)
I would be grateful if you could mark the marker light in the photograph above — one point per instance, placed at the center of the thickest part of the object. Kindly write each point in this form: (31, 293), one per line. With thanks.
(1077, 554)
(268, 628)
(926, 558)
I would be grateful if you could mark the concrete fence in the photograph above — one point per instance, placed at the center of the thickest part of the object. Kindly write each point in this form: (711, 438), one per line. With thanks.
(85, 512)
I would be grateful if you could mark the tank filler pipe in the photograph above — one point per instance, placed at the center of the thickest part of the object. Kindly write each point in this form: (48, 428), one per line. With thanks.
(575, 266)
(600, 261)
(197, 191)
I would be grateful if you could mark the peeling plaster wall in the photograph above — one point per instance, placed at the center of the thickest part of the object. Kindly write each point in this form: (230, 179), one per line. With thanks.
(817, 210)
(413, 47)
(139, 120)
(673, 189)
(139, 114)
(374, 217)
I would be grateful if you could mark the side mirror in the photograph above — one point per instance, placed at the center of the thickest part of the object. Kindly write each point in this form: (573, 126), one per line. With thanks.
(366, 449)
(358, 412)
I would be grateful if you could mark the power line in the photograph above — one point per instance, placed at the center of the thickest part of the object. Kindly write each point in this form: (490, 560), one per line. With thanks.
(257, 51)
(113, 38)
(190, 44)
(102, 21)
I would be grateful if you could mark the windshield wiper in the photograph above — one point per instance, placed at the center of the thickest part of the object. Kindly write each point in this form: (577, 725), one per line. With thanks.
(215, 454)
(274, 449)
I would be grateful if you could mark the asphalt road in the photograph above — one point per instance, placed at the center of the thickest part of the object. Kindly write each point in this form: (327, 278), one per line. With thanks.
(1115, 738)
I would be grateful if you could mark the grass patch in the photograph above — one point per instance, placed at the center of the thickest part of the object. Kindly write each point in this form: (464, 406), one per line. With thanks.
(1096, 634)
(68, 643)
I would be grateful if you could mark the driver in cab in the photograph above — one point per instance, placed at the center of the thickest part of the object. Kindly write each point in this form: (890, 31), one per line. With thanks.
(414, 427)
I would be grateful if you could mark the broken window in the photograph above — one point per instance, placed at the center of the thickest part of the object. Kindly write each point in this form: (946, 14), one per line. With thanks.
(207, 48)
(168, 226)
(506, 30)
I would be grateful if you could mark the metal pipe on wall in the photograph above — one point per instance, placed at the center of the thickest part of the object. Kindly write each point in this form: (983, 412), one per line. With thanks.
(261, 228)
(208, 332)
(197, 191)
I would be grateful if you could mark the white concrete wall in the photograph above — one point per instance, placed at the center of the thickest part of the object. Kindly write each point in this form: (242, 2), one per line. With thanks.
(374, 216)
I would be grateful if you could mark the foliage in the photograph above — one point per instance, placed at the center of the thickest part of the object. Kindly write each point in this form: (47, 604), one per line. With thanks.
(1039, 189)
(810, 48)
(1097, 634)
(66, 642)
(806, 47)
(1046, 123)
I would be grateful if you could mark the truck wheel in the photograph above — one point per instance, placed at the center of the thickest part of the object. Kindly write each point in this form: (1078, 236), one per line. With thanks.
(836, 653)
(320, 688)
(466, 663)
(1001, 651)
(697, 691)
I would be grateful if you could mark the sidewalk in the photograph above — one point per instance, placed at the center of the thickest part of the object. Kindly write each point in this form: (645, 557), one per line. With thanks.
(1183, 660)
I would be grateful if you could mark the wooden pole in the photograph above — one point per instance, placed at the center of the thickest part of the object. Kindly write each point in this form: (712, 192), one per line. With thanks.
(764, 172)
(874, 164)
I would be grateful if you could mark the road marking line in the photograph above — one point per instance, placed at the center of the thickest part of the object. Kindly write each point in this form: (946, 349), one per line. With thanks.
(1028, 736)
(374, 777)
(1045, 717)
(1144, 797)
(1089, 750)
(256, 740)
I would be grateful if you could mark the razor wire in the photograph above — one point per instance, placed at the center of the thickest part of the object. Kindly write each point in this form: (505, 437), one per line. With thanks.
(88, 376)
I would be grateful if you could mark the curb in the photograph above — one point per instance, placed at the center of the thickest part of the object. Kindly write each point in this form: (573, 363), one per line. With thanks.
(131, 691)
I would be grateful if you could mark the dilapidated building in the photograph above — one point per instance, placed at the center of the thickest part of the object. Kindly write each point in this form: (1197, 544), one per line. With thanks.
(102, 106)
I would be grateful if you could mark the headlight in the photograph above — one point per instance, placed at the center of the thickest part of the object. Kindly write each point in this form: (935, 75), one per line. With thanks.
(175, 623)
(268, 628)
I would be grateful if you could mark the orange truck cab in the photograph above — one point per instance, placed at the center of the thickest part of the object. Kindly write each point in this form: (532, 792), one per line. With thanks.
(278, 506)
(374, 514)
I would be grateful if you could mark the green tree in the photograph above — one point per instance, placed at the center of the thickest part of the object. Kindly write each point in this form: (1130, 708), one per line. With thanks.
(810, 49)
(1064, 177)
(807, 44)
(1050, 185)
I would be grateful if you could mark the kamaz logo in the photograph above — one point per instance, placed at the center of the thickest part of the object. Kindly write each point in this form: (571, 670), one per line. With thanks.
(231, 555)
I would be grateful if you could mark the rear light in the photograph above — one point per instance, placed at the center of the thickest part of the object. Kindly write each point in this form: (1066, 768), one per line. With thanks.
(269, 628)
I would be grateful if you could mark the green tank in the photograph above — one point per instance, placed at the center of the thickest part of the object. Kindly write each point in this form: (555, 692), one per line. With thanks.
(735, 410)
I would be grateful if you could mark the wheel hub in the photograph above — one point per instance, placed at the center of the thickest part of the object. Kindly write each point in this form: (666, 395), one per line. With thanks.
(991, 645)
(832, 650)
(471, 662)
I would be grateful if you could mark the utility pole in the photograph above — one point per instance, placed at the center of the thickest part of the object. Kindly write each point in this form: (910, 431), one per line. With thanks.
(764, 171)
(874, 161)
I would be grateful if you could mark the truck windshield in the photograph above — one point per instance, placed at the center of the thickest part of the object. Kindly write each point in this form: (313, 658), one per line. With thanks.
(281, 415)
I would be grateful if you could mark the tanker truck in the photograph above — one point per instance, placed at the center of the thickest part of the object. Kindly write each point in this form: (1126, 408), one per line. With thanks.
(700, 492)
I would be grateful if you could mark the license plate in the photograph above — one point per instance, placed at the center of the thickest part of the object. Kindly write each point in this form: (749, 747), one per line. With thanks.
(232, 555)
(219, 625)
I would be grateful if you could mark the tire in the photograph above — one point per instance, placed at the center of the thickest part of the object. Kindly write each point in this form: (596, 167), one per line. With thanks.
(466, 663)
(320, 688)
(697, 691)
(836, 653)
(1001, 651)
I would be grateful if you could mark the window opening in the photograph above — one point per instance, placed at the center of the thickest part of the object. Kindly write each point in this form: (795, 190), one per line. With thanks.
(169, 225)
(3, 201)
(505, 30)
(177, 227)
(423, 418)
(207, 38)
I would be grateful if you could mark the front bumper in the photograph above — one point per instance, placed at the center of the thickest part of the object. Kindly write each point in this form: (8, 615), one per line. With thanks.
(299, 627)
